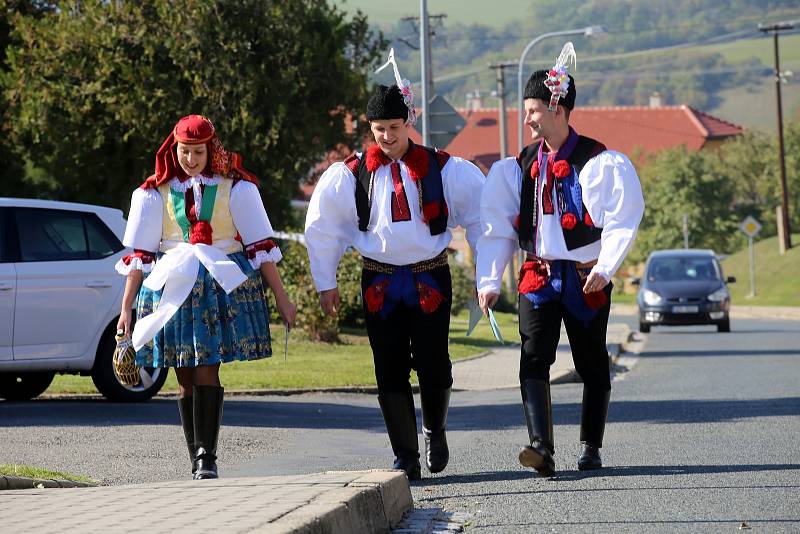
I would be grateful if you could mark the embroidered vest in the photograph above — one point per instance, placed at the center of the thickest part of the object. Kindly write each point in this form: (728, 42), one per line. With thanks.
(582, 234)
(432, 200)
(215, 209)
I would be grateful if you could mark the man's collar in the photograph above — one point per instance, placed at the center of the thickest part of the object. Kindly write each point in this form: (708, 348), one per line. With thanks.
(565, 151)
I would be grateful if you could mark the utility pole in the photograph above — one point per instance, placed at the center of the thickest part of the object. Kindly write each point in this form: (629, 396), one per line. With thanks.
(501, 94)
(499, 68)
(426, 63)
(775, 29)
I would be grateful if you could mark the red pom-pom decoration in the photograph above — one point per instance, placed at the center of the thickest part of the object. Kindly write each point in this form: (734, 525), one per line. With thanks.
(587, 219)
(200, 232)
(562, 169)
(431, 210)
(568, 221)
(535, 170)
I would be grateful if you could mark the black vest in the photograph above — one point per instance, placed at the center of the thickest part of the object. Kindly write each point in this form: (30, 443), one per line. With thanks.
(582, 234)
(432, 182)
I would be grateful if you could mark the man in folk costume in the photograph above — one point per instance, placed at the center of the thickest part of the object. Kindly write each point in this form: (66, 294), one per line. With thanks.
(574, 208)
(395, 204)
(199, 228)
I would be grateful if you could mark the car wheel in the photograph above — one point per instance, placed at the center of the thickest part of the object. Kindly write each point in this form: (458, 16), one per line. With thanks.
(24, 386)
(108, 382)
(644, 328)
(724, 326)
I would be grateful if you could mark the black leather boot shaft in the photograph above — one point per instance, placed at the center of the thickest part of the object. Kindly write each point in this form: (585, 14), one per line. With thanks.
(538, 417)
(207, 418)
(186, 410)
(594, 411)
(435, 403)
(401, 425)
(538, 412)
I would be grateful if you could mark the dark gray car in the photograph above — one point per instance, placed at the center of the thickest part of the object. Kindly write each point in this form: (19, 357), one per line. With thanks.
(683, 287)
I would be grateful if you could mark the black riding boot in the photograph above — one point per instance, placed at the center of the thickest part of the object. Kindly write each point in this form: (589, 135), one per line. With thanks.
(539, 418)
(207, 418)
(435, 403)
(594, 412)
(401, 425)
(186, 409)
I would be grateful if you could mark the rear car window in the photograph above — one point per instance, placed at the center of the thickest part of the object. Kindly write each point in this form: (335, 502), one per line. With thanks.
(102, 241)
(63, 235)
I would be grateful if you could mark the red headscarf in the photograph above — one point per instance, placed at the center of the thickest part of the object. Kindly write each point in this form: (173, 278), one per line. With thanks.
(194, 130)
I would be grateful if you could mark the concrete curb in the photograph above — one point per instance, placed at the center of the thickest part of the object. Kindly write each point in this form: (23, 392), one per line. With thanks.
(791, 313)
(15, 483)
(374, 502)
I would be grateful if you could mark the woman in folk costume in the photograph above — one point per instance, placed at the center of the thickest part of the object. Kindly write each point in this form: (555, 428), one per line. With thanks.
(396, 204)
(199, 228)
(574, 207)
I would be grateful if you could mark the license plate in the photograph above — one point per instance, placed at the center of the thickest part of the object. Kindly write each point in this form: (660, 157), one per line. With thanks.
(685, 309)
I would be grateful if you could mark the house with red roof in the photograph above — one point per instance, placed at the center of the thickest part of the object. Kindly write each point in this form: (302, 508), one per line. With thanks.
(637, 131)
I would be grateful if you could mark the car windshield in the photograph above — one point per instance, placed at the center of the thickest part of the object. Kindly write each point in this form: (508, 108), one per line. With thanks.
(682, 268)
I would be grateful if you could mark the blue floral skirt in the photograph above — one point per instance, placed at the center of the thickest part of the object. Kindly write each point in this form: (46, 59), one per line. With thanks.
(211, 326)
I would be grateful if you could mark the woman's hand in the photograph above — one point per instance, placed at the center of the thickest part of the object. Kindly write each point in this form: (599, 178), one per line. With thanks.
(124, 322)
(287, 310)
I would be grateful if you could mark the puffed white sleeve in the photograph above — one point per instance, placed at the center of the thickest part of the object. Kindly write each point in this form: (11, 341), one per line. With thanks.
(142, 232)
(331, 224)
(499, 214)
(252, 222)
(463, 182)
(613, 195)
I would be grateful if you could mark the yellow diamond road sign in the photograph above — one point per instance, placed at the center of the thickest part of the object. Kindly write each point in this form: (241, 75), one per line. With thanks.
(750, 226)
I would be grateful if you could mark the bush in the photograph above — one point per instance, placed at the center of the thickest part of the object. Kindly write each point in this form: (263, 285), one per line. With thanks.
(463, 286)
(296, 276)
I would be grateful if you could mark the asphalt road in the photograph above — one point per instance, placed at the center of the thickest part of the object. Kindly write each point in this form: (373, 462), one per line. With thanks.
(703, 435)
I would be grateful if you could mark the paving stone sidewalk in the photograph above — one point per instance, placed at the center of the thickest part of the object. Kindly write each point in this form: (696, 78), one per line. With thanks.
(500, 368)
(336, 501)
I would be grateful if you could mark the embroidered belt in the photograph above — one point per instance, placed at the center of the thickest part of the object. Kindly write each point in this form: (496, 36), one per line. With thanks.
(420, 267)
(587, 265)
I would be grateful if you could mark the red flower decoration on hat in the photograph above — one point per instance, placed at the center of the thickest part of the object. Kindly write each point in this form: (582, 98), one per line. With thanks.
(568, 221)
(200, 232)
(535, 170)
(587, 219)
(562, 169)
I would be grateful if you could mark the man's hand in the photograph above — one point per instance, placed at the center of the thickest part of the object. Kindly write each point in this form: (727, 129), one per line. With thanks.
(329, 300)
(594, 282)
(487, 300)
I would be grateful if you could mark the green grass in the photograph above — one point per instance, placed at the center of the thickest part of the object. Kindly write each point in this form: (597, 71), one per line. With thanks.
(776, 276)
(316, 365)
(27, 471)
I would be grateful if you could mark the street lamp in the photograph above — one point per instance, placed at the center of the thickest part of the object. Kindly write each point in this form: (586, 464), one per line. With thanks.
(587, 31)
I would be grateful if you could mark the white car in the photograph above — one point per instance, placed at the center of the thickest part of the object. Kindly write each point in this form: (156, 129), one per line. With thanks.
(60, 298)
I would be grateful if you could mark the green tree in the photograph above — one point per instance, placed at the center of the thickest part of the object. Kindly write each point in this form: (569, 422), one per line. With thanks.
(94, 88)
(678, 182)
(13, 168)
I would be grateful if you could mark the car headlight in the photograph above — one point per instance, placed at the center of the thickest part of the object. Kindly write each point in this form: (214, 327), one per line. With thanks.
(651, 298)
(719, 295)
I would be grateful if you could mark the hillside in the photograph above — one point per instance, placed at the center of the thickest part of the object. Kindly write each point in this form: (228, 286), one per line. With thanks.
(726, 74)
(777, 277)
